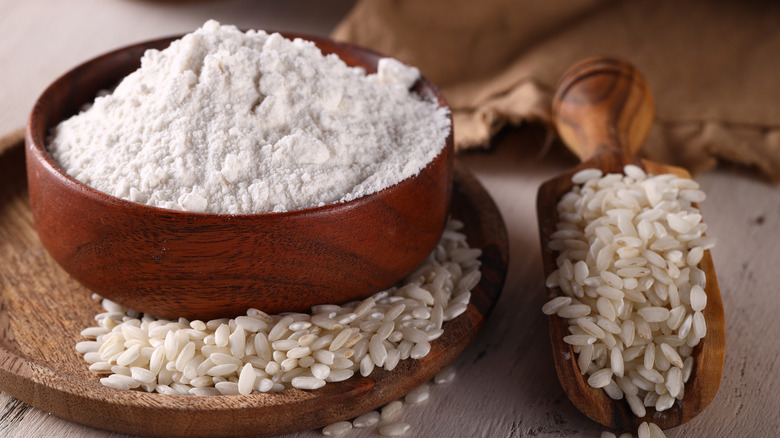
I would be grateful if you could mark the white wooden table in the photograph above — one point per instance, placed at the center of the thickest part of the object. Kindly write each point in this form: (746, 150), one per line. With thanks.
(506, 385)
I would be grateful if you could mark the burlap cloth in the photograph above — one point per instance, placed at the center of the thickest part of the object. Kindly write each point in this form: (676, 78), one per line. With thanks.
(713, 65)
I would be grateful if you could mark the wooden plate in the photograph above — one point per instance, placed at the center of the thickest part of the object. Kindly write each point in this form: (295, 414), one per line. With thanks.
(43, 310)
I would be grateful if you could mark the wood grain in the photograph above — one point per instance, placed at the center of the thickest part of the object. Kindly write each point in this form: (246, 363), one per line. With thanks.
(603, 104)
(203, 266)
(42, 311)
(603, 110)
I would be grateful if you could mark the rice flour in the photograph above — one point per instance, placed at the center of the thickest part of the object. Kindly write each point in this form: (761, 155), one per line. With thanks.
(229, 122)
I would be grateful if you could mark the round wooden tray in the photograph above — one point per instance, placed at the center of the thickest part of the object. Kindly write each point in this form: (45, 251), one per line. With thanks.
(43, 310)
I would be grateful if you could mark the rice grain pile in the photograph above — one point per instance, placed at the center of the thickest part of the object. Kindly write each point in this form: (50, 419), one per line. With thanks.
(629, 246)
(258, 352)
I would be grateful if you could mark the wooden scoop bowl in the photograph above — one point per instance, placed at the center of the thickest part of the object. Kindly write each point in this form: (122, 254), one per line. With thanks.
(197, 265)
(603, 110)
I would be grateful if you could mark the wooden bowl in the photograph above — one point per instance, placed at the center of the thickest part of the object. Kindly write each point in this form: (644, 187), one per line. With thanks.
(198, 265)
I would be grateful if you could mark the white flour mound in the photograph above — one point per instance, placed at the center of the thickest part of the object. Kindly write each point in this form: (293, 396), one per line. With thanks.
(230, 122)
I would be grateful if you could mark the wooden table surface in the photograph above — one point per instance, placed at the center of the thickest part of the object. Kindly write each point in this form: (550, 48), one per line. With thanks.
(506, 385)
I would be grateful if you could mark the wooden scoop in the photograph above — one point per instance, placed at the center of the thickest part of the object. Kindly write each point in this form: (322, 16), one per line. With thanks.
(603, 110)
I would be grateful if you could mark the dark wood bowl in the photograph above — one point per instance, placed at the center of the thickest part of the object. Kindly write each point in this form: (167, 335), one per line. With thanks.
(199, 265)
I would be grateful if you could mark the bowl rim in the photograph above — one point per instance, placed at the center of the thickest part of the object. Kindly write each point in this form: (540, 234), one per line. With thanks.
(36, 135)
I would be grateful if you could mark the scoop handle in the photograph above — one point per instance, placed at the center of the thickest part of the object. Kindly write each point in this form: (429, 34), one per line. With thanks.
(603, 104)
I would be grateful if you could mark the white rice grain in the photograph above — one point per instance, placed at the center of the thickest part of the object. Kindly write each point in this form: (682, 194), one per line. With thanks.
(394, 429)
(446, 375)
(654, 314)
(393, 357)
(574, 311)
(305, 382)
(636, 405)
(616, 362)
(337, 429)
(418, 395)
(377, 350)
(420, 350)
(579, 339)
(664, 402)
(320, 371)
(246, 379)
(586, 175)
(454, 310)
(698, 298)
(585, 357)
(600, 378)
(626, 385)
(142, 375)
(643, 431)
(366, 366)
(226, 388)
(674, 381)
(414, 335)
(699, 325)
(222, 370)
(339, 375)
(264, 385)
(391, 410)
(671, 355)
(368, 419)
(650, 374)
(554, 305)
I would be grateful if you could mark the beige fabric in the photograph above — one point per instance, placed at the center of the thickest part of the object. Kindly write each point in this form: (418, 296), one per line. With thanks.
(712, 65)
